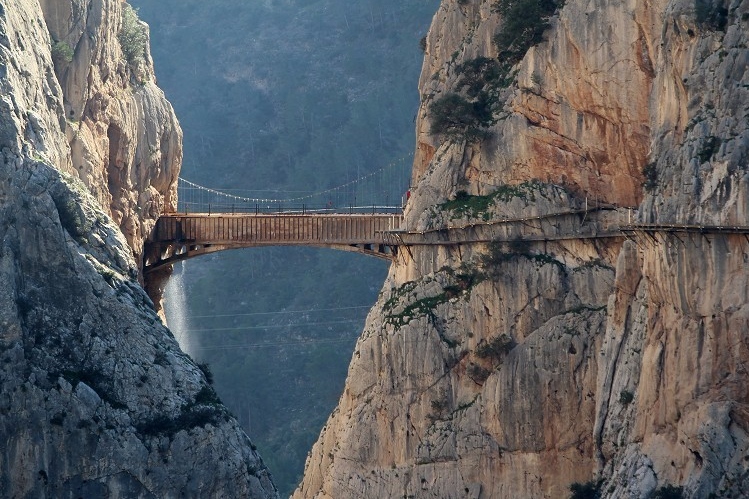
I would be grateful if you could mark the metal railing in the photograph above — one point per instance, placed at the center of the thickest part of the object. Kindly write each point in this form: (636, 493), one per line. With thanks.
(239, 208)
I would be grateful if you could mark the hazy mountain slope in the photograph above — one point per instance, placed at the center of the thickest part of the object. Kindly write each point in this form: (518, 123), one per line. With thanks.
(276, 98)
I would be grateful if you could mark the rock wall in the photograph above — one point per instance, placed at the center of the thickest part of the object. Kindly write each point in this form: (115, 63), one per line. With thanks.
(516, 369)
(125, 141)
(96, 398)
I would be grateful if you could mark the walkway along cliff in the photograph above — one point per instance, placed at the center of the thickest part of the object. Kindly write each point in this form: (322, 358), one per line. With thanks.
(515, 369)
(96, 397)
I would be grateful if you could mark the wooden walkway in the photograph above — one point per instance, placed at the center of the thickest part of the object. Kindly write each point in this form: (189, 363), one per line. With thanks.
(180, 236)
(700, 229)
(547, 228)
(594, 223)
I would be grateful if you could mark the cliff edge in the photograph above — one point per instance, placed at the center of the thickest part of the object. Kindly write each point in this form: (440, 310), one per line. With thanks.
(96, 398)
(563, 352)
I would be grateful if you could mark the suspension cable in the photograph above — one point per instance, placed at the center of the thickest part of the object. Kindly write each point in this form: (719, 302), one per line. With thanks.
(337, 189)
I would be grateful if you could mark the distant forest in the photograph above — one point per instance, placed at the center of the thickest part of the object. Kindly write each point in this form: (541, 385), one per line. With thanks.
(278, 97)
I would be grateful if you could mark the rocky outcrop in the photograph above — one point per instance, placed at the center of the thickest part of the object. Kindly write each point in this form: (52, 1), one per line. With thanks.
(125, 141)
(517, 368)
(96, 398)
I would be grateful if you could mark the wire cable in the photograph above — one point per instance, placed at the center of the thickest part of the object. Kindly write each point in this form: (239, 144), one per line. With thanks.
(336, 189)
(275, 344)
(274, 326)
(280, 312)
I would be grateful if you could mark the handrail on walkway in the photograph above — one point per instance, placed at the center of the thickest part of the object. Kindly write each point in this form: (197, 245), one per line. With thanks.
(377, 230)
(282, 209)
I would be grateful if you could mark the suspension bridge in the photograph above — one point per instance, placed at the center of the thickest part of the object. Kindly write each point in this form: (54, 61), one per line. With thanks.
(349, 218)
(353, 216)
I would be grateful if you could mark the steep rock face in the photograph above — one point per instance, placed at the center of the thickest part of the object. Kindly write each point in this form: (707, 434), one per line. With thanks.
(475, 375)
(96, 399)
(578, 115)
(676, 341)
(677, 334)
(515, 369)
(125, 141)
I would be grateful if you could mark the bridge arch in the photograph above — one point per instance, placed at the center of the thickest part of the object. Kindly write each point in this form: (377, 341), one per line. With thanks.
(180, 236)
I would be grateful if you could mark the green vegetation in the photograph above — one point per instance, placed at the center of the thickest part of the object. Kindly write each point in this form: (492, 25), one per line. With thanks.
(587, 490)
(711, 15)
(439, 405)
(205, 409)
(467, 112)
(196, 417)
(710, 146)
(460, 282)
(492, 353)
(416, 310)
(72, 217)
(471, 109)
(58, 419)
(98, 382)
(108, 274)
(160, 358)
(207, 396)
(594, 264)
(478, 373)
(69, 198)
(669, 492)
(499, 254)
(478, 207)
(478, 74)
(266, 114)
(585, 308)
(468, 206)
(496, 348)
(203, 366)
(626, 397)
(542, 259)
(62, 52)
(650, 173)
(132, 36)
(455, 117)
(523, 26)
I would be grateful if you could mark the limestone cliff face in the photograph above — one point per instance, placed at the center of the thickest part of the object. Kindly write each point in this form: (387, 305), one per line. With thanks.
(96, 398)
(125, 141)
(515, 369)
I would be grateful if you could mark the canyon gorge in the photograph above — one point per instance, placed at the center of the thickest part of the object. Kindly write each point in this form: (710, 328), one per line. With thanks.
(599, 337)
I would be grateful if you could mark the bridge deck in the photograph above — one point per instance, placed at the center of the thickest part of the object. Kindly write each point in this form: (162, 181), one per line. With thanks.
(702, 229)
(180, 236)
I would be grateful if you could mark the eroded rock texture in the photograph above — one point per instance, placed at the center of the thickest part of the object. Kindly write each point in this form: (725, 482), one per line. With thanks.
(96, 398)
(516, 369)
(125, 141)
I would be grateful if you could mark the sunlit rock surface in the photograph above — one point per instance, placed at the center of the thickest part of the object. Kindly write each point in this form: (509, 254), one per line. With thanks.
(125, 142)
(515, 370)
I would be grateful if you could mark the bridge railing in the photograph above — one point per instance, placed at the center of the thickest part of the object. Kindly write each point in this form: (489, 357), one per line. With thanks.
(240, 208)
